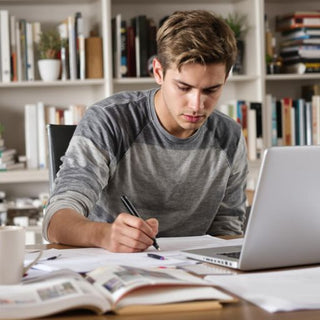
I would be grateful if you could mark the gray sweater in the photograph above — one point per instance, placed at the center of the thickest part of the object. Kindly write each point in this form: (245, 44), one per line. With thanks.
(193, 186)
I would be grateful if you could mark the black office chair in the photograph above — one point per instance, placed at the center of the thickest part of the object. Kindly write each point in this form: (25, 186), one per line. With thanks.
(59, 137)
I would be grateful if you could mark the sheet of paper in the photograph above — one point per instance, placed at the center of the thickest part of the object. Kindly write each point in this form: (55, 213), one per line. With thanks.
(275, 291)
(87, 259)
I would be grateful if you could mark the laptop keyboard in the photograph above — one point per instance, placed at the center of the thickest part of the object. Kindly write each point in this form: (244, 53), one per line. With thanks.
(235, 255)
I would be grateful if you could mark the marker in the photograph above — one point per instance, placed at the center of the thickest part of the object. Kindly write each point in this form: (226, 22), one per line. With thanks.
(133, 211)
(155, 256)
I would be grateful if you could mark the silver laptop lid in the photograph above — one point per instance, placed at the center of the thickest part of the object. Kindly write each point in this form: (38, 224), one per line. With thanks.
(284, 224)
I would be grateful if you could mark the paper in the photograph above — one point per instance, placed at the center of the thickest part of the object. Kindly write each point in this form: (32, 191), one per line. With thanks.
(277, 290)
(87, 259)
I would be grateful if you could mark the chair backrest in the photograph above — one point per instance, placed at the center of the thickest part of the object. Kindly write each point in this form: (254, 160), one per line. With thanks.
(59, 137)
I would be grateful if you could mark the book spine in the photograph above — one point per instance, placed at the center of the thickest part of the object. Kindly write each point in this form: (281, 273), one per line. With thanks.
(72, 49)
(31, 135)
(36, 31)
(131, 52)
(64, 54)
(94, 60)
(5, 46)
(23, 48)
(30, 53)
(13, 48)
(308, 117)
(252, 135)
(80, 47)
(42, 145)
(123, 49)
(18, 43)
(286, 121)
(315, 103)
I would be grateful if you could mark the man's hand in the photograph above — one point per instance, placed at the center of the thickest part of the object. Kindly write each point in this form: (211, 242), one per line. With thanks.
(130, 234)
(126, 234)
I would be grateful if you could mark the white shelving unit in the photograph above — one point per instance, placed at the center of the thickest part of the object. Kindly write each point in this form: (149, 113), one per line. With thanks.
(282, 85)
(251, 86)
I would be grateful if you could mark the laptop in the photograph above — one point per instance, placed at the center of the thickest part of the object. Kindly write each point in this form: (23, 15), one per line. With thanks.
(284, 223)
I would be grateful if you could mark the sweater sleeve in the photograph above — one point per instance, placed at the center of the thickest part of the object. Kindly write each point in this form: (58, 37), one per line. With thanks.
(230, 217)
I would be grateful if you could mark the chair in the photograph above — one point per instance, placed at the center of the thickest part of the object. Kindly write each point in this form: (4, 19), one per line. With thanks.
(59, 137)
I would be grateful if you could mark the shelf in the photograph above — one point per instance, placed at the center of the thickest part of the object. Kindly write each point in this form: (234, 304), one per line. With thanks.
(40, 83)
(176, 1)
(150, 80)
(281, 77)
(24, 176)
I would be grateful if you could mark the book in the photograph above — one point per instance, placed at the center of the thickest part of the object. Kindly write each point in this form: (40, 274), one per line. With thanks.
(252, 135)
(30, 52)
(18, 46)
(117, 289)
(298, 42)
(42, 137)
(93, 56)
(31, 135)
(64, 53)
(80, 47)
(119, 42)
(72, 48)
(299, 105)
(23, 48)
(140, 25)
(286, 120)
(13, 48)
(300, 33)
(307, 91)
(36, 33)
(298, 20)
(131, 52)
(5, 61)
(315, 105)
(308, 117)
(11, 166)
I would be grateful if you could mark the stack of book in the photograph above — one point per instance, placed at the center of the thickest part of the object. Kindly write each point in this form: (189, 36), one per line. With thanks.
(293, 121)
(300, 41)
(19, 49)
(8, 159)
(249, 116)
(133, 45)
(37, 116)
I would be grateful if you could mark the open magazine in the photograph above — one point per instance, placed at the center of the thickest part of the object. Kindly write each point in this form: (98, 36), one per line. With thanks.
(112, 288)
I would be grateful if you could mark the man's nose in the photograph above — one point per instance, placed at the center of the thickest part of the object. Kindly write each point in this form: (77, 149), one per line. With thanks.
(197, 101)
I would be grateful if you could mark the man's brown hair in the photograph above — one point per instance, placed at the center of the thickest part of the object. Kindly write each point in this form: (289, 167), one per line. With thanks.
(196, 36)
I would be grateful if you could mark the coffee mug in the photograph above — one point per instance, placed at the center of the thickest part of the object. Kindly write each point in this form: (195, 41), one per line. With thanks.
(12, 250)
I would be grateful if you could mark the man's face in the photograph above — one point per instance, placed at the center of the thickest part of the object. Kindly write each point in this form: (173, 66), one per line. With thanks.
(187, 97)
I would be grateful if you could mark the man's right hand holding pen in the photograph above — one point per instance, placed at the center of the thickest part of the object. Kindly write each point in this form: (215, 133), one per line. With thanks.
(132, 234)
(128, 233)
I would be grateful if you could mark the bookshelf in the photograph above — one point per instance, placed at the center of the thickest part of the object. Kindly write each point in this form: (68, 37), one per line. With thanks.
(282, 85)
(252, 85)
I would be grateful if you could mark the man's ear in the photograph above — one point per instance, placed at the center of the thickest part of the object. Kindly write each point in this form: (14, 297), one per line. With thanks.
(157, 71)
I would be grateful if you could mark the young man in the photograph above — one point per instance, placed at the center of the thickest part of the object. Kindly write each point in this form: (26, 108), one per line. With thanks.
(180, 162)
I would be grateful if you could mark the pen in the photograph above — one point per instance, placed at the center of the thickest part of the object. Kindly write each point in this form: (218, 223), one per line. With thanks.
(54, 257)
(155, 256)
(133, 211)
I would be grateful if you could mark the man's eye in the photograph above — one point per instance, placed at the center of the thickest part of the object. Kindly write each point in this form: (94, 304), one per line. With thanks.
(210, 91)
(183, 88)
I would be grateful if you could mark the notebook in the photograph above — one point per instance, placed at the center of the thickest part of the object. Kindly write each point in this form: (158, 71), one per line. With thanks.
(284, 223)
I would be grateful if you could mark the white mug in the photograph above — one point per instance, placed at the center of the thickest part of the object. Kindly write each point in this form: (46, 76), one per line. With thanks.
(12, 249)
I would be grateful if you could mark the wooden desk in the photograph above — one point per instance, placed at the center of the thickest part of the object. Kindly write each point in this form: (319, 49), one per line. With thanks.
(241, 310)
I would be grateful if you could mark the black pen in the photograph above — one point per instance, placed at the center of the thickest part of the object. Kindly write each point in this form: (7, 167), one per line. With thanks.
(133, 211)
(155, 256)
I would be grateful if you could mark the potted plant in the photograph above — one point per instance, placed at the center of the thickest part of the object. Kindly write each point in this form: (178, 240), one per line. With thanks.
(49, 47)
(239, 25)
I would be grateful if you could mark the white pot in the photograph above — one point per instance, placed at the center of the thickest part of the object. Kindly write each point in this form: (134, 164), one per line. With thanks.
(49, 69)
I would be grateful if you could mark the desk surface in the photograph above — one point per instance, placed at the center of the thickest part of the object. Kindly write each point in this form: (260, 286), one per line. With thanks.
(241, 310)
